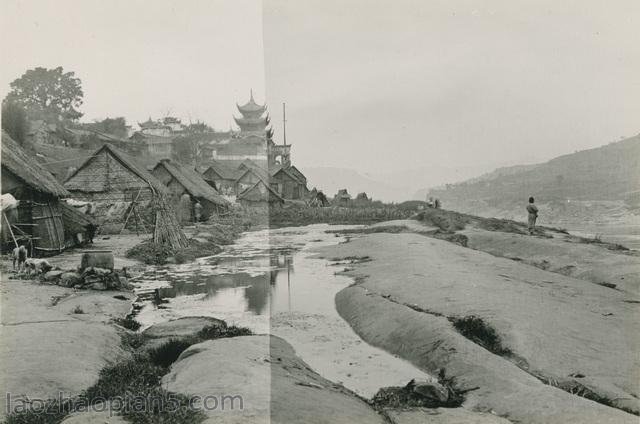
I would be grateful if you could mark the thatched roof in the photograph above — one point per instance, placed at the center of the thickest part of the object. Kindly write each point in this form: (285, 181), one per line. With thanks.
(342, 194)
(75, 221)
(260, 192)
(286, 170)
(26, 168)
(226, 170)
(193, 182)
(127, 161)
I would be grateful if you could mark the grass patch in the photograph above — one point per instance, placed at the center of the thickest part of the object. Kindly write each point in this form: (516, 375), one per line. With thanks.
(150, 253)
(447, 221)
(134, 385)
(212, 332)
(475, 329)
(597, 240)
(393, 229)
(132, 341)
(133, 375)
(77, 310)
(367, 214)
(459, 239)
(168, 352)
(128, 322)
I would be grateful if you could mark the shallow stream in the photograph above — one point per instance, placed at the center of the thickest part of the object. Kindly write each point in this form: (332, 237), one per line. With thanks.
(271, 282)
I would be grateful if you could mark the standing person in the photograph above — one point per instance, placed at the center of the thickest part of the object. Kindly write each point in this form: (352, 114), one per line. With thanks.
(532, 210)
(197, 211)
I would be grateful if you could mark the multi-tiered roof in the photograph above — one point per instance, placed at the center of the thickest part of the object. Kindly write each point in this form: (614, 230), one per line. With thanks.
(253, 120)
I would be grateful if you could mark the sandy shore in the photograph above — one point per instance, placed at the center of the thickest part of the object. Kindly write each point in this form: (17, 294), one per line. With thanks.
(556, 329)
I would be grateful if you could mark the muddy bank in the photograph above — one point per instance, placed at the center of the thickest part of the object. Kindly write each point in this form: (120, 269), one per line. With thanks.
(556, 329)
(205, 239)
(56, 340)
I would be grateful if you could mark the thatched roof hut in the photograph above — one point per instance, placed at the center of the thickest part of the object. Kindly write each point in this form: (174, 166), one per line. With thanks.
(39, 214)
(114, 182)
(362, 197)
(110, 169)
(288, 181)
(28, 171)
(181, 179)
(342, 197)
(260, 194)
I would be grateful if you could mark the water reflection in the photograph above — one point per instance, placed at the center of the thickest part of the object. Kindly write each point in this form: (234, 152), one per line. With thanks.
(254, 277)
(269, 282)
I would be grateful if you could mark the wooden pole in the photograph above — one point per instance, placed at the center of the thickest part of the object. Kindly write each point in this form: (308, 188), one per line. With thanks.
(284, 123)
(133, 206)
(10, 230)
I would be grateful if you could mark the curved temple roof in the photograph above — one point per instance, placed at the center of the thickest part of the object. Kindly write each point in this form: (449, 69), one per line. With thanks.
(251, 107)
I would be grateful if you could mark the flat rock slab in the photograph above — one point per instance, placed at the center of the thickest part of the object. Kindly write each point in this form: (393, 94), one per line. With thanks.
(275, 385)
(443, 416)
(94, 418)
(555, 326)
(181, 327)
(589, 262)
(46, 349)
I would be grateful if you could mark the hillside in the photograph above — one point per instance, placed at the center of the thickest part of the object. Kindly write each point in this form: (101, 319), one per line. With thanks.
(587, 185)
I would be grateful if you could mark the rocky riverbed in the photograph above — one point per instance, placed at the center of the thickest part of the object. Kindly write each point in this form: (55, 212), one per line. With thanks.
(532, 345)
(339, 312)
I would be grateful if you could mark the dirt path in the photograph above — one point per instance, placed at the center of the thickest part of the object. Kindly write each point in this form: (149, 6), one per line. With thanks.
(551, 327)
(48, 349)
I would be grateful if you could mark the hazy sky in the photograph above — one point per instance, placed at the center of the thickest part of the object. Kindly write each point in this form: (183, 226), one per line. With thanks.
(192, 58)
(371, 85)
(400, 84)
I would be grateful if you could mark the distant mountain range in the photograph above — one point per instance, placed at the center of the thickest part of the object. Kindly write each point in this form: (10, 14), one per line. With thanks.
(610, 173)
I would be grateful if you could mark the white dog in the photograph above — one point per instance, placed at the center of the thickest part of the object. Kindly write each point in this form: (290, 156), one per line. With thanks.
(37, 266)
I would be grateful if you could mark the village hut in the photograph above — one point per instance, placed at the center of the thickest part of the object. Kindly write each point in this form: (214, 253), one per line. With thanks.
(288, 183)
(362, 198)
(118, 186)
(342, 198)
(223, 177)
(39, 216)
(260, 195)
(251, 176)
(182, 180)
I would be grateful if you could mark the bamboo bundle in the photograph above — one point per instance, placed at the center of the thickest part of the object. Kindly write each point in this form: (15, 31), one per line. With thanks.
(167, 230)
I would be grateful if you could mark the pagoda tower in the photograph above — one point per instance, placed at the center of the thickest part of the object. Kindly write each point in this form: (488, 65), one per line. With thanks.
(253, 121)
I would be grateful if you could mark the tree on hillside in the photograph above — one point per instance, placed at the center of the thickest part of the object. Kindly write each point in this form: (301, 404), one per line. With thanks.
(188, 147)
(14, 121)
(49, 94)
(114, 126)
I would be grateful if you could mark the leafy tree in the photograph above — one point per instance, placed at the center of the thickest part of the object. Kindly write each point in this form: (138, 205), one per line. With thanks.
(188, 147)
(49, 94)
(14, 121)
